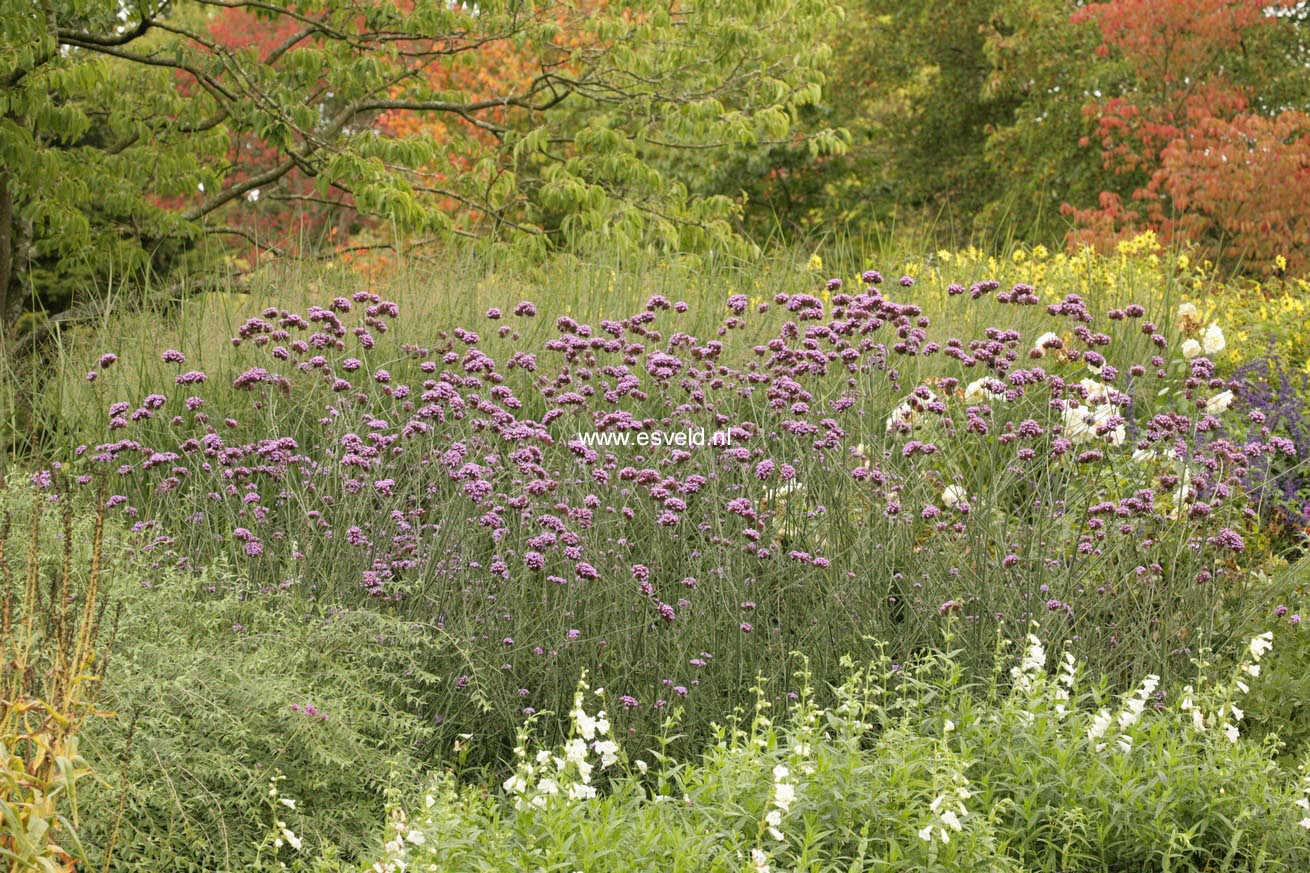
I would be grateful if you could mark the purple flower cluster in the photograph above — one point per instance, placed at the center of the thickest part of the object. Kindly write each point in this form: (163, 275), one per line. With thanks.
(877, 477)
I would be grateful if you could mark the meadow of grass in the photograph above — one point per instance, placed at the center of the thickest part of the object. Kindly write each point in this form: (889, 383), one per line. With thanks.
(367, 535)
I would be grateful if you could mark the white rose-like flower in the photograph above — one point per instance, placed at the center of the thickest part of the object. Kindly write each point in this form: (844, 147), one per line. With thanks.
(1097, 392)
(1078, 424)
(954, 495)
(1045, 341)
(1189, 318)
(1219, 403)
(1191, 349)
(1213, 342)
(978, 391)
(910, 410)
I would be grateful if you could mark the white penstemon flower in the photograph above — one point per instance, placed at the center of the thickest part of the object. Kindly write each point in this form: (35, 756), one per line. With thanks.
(784, 794)
(289, 835)
(1064, 690)
(1188, 706)
(284, 835)
(1100, 724)
(1258, 647)
(1031, 667)
(608, 751)
(1229, 714)
(395, 848)
(567, 773)
(948, 809)
(1131, 712)
(1304, 800)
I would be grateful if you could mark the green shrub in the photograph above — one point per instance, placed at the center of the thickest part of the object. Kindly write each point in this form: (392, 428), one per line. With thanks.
(217, 693)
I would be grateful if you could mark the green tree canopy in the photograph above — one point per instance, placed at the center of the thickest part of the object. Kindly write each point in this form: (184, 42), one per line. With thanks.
(118, 120)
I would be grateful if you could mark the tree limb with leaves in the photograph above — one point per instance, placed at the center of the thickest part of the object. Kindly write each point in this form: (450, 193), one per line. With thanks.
(131, 128)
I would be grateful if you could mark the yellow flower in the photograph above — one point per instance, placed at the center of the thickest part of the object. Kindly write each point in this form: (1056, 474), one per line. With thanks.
(816, 263)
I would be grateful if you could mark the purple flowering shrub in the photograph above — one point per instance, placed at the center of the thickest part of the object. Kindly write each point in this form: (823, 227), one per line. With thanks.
(1274, 396)
(872, 473)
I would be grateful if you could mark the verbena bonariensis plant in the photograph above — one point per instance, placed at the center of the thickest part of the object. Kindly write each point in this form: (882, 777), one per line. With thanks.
(877, 478)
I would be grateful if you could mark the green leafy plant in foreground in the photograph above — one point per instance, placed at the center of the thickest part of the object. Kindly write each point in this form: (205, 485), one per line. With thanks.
(910, 768)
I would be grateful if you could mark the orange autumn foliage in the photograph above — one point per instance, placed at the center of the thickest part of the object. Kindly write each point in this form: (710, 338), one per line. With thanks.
(1200, 160)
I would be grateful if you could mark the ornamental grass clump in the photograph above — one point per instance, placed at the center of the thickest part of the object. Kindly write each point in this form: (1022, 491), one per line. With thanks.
(516, 482)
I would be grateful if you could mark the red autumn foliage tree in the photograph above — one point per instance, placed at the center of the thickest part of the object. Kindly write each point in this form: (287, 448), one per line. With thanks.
(1200, 157)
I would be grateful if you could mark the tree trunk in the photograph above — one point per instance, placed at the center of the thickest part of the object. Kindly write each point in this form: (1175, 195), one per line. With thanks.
(15, 246)
(6, 252)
